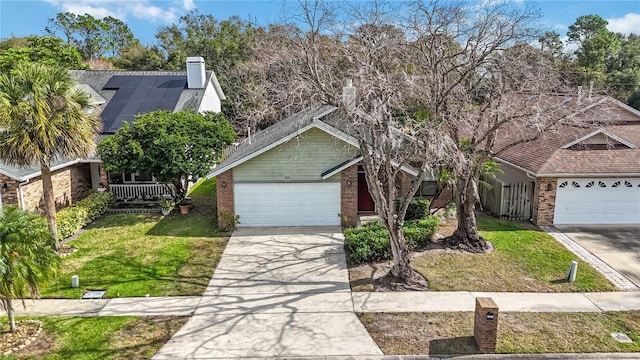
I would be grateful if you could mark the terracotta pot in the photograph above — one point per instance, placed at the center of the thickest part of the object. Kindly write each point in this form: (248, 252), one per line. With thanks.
(184, 209)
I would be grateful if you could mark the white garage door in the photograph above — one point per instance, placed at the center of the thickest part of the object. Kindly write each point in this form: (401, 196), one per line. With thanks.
(598, 201)
(287, 204)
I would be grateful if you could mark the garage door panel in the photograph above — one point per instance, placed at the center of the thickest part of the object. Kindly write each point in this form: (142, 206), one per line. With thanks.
(597, 201)
(287, 204)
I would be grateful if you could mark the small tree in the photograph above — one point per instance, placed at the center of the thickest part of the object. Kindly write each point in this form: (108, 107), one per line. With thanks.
(27, 257)
(43, 117)
(174, 147)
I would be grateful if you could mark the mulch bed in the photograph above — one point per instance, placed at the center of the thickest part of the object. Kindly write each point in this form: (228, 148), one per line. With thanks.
(66, 250)
(29, 339)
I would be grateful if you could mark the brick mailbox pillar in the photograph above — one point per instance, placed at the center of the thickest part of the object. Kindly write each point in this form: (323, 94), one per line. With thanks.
(485, 325)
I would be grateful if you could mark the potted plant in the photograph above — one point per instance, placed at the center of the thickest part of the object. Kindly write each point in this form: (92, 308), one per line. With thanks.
(166, 205)
(185, 205)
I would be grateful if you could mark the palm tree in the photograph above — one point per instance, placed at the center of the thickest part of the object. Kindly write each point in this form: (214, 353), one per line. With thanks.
(27, 257)
(42, 116)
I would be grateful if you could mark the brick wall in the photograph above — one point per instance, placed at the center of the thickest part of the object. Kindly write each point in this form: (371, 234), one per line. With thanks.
(10, 195)
(70, 184)
(544, 201)
(404, 180)
(104, 177)
(349, 196)
(224, 195)
(445, 197)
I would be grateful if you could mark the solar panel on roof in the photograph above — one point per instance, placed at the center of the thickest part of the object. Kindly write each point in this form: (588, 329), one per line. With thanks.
(137, 94)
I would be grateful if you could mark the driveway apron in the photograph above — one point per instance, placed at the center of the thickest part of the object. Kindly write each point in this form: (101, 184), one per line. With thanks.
(617, 245)
(277, 292)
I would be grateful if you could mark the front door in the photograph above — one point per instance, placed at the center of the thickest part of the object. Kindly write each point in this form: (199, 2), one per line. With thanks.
(365, 201)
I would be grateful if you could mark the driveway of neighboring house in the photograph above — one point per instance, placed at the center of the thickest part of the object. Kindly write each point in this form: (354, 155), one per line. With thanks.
(276, 292)
(617, 245)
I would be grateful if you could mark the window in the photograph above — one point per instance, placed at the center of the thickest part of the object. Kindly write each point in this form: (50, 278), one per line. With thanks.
(427, 188)
(129, 178)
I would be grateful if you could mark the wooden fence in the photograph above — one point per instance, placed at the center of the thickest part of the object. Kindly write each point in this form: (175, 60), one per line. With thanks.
(513, 201)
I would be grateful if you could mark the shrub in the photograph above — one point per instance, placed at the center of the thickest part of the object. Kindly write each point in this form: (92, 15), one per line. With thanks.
(418, 209)
(417, 233)
(371, 241)
(228, 221)
(367, 243)
(73, 218)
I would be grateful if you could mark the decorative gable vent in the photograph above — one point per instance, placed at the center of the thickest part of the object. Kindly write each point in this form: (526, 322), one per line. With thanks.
(599, 140)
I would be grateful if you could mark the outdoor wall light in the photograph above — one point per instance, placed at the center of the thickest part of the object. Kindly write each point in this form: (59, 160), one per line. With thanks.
(224, 184)
(5, 186)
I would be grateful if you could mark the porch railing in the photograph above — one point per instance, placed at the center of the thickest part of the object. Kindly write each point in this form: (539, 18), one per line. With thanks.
(138, 191)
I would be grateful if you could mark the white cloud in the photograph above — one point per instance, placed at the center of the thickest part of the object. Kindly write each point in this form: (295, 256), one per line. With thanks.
(154, 11)
(630, 23)
(560, 27)
(188, 5)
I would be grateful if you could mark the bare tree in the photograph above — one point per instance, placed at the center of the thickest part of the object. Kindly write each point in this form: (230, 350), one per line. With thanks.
(486, 86)
(443, 90)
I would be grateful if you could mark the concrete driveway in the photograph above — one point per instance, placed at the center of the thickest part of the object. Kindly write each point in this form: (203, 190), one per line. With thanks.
(277, 292)
(617, 245)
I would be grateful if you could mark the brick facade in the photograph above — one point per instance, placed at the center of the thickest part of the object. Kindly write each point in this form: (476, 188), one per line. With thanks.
(349, 196)
(10, 193)
(405, 181)
(544, 201)
(70, 184)
(224, 195)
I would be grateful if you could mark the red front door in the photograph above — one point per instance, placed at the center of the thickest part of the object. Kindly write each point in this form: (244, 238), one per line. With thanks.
(365, 201)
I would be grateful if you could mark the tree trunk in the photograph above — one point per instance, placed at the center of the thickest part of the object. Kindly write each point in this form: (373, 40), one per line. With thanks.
(466, 237)
(49, 201)
(401, 276)
(10, 314)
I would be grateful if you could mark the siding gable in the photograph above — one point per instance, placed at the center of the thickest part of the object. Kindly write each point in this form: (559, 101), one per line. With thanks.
(302, 158)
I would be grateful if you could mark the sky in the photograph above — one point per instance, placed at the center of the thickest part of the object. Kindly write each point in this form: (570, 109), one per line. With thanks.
(144, 17)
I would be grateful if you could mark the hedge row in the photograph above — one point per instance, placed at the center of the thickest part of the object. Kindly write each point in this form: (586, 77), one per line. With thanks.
(371, 241)
(73, 218)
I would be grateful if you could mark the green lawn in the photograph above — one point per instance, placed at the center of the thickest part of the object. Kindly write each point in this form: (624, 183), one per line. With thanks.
(204, 187)
(135, 255)
(524, 259)
(452, 333)
(117, 337)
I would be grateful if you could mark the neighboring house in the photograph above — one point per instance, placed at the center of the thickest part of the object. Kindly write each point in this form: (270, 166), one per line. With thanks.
(118, 96)
(574, 175)
(302, 171)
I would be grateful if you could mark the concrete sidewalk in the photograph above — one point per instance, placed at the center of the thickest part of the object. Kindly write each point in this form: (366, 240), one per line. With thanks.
(136, 306)
(446, 301)
(425, 301)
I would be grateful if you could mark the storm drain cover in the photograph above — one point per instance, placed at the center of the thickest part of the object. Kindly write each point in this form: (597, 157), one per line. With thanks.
(623, 338)
(93, 294)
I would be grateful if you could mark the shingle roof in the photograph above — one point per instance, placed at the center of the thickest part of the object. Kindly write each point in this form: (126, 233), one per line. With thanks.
(92, 82)
(273, 135)
(22, 173)
(546, 156)
(97, 79)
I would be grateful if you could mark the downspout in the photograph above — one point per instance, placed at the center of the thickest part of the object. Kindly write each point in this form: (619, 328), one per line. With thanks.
(20, 194)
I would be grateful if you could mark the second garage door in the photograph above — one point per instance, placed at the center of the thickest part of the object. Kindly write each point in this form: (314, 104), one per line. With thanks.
(287, 204)
(597, 201)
